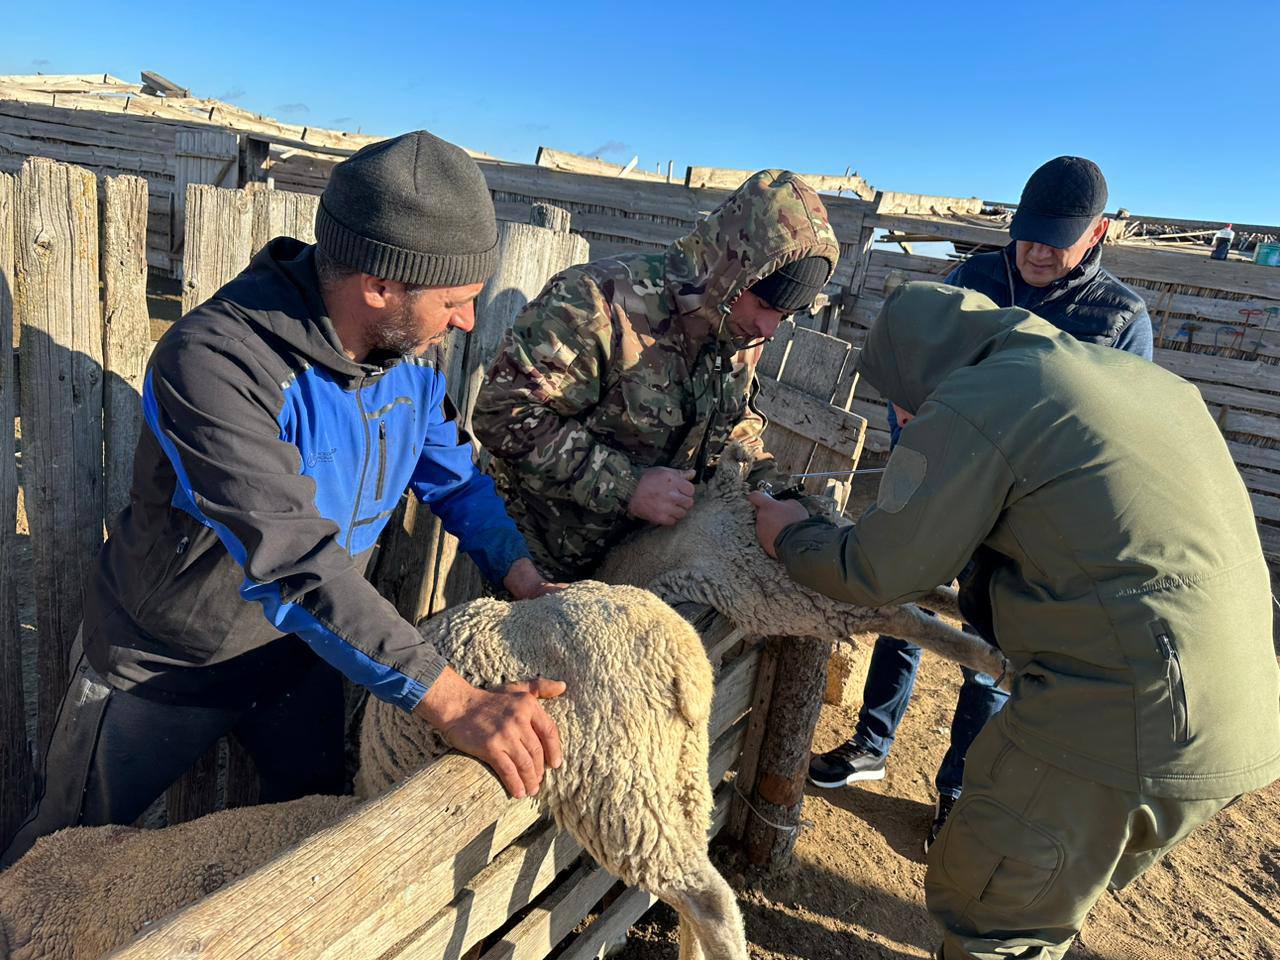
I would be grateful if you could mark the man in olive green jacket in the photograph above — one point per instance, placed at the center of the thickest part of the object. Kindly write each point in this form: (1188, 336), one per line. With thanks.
(1129, 593)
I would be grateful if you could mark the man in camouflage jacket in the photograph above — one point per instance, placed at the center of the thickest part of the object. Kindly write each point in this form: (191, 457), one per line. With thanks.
(626, 376)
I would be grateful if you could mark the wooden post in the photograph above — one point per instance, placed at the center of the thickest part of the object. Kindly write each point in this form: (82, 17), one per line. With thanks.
(56, 301)
(783, 763)
(282, 213)
(528, 256)
(219, 241)
(126, 340)
(254, 154)
(15, 752)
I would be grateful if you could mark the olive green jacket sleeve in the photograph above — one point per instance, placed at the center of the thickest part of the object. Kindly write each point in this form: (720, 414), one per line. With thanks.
(943, 491)
(552, 368)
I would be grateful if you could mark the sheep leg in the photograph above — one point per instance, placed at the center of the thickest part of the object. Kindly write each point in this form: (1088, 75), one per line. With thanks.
(909, 622)
(710, 921)
(690, 949)
(944, 599)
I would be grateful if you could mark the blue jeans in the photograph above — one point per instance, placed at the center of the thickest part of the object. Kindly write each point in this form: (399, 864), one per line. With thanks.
(887, 691)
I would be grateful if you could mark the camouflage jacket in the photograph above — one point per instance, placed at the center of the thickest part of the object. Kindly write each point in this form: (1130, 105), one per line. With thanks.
(599, 379)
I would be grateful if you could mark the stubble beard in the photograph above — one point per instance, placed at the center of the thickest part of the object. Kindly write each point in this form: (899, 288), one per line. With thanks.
(398, 333)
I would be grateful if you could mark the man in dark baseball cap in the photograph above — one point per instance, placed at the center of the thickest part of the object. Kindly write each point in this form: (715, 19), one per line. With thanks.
(1052, 267)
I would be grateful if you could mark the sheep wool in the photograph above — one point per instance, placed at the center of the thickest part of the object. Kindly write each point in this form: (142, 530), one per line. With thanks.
(712, 557)
(81, 892)
(633, 788)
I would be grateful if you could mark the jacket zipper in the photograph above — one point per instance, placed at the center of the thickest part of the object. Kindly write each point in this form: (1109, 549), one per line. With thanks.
(382, 460)
(364, 466)
(1173, 678)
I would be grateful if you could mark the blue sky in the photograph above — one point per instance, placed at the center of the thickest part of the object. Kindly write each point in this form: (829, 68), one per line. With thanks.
(1178, 102)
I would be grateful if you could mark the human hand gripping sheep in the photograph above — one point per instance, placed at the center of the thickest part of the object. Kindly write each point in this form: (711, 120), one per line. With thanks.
(772, 516)
(504, 726)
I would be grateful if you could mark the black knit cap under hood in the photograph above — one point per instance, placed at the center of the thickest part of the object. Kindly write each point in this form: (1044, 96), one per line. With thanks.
(794, 286)
(415, 209)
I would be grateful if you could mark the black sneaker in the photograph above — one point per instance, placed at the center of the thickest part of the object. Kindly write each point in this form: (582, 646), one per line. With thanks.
(940, 813)
(846, 764)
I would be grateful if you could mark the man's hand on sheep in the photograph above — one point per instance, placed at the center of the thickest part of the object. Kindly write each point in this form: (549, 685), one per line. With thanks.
(504, 726)
(524, 581)
(772, 516)
(663, 496)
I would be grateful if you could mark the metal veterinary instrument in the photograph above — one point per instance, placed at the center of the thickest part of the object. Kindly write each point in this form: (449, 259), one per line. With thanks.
(767, 487)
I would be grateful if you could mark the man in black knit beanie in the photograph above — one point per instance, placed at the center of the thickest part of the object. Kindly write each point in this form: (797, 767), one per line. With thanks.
(285, 418)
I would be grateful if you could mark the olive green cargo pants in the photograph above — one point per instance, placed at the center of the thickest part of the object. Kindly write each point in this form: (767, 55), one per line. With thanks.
(1029, 849)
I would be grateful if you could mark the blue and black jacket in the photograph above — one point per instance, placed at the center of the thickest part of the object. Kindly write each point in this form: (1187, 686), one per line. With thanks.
(268, 465)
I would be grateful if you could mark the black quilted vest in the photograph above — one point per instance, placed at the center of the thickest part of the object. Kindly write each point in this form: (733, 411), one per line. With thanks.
(1088, 303)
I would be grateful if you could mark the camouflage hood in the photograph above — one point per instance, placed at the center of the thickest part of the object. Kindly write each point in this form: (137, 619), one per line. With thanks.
(773, 219)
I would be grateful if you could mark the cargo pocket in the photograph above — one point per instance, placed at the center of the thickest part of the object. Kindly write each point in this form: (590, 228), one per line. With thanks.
(995, 857)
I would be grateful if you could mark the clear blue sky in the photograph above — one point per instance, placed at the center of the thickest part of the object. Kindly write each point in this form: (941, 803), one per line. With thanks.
(1179, 102)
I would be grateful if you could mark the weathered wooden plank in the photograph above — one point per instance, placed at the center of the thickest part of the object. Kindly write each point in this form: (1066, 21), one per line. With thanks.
(1204, 367)
(1265, 507)
(576, 163)
(722, 178)
(102, 159)
(733, 691)
(1261, 481)
(639, 198)
(282, 213)
(616, 919)
(1270, 537)
(748, 765)
(219, 241)
(518, 875)
(396, 860)
(811, 418)
(56, 301)
(889, 201)
(126, 341)
(1205, 308)
(813, 364)
(15, 753)
(547, 924)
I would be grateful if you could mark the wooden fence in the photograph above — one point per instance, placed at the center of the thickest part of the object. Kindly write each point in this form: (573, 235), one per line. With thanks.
(71, 261)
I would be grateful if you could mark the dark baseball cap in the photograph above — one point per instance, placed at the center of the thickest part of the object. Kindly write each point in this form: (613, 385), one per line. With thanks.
(1059, 202)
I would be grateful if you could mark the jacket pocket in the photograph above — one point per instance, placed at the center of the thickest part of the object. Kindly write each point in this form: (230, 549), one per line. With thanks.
(380, 487)
(166, 558)
(997, 858)
(1167, 647)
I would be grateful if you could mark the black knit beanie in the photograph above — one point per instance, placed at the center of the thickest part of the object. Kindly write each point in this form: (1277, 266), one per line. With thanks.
(794, 286)
(414, 209)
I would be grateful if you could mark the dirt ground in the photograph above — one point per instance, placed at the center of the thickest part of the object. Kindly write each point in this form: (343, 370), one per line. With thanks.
(856, 889)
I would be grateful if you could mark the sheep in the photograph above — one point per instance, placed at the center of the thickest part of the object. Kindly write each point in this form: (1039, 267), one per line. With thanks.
(83, 891)
(711, 556)
(633, 788)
